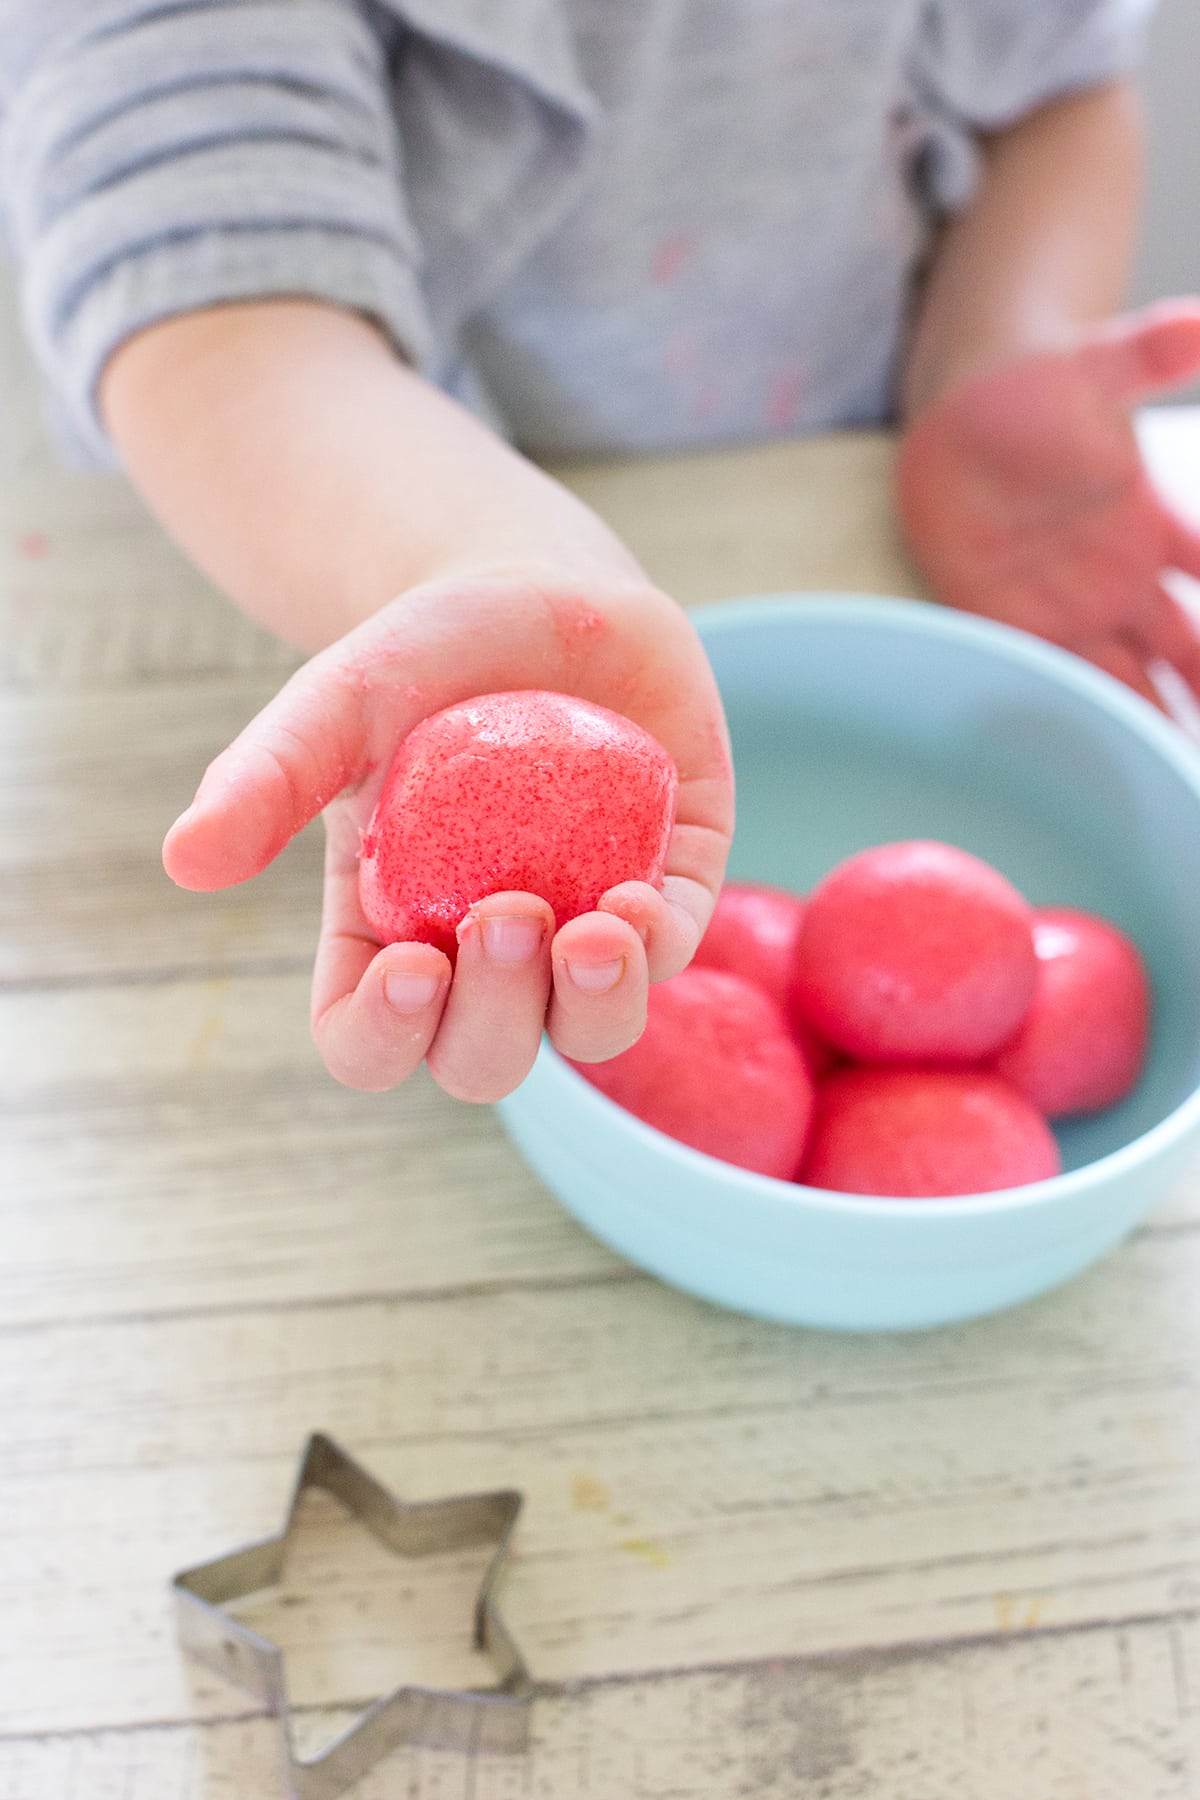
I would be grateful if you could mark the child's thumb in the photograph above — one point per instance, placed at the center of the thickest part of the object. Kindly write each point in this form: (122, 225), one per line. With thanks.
(284, 768)
(1146, 352)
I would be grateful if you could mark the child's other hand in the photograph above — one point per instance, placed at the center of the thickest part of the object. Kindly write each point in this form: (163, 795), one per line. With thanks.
(325, 742)
(1024, 497)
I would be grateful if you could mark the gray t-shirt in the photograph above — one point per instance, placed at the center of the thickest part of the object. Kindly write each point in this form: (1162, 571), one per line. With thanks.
(606, 224)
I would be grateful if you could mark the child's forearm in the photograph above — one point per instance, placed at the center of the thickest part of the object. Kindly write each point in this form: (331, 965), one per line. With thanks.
(313, 476)
(1043, 248)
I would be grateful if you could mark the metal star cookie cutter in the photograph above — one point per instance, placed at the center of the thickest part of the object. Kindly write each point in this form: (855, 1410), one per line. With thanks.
(465, 1719)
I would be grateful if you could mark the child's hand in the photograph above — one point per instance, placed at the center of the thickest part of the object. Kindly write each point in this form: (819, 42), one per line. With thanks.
(1024, 497)
(326, 742)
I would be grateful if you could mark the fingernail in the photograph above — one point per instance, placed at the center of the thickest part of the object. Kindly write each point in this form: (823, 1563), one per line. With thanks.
(596, 978)
(408, 990)
(184, 817)
(511, 941)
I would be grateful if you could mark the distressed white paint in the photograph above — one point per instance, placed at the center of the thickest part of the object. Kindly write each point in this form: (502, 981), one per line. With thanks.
(957, 1566)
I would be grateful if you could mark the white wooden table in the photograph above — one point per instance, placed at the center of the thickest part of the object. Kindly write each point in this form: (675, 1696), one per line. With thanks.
(963, 1565)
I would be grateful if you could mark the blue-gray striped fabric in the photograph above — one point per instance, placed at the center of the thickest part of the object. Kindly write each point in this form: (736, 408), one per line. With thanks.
(609, 224)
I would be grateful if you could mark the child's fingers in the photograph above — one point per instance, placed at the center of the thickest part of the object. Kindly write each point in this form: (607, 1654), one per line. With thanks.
(1125, 661)
(1147, 352)
(1173, 635)
(1176, 697)
(374, 1011)
(667, 922)
(598, 1007)
(671, 923)
(493, 1019)
(1182, 545)
(378, 1034)
(347, 946)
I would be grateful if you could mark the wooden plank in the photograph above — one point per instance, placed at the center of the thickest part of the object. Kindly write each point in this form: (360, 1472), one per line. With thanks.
(1109, 1714)
(177, 1145)
(256, 1181)
(809, 514)
(90, 784)
(248, 1381)
(701, 1488)
(93, 596)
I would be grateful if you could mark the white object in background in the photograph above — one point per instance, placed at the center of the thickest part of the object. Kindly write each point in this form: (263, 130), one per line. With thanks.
(1170, 440)
(1176, 696)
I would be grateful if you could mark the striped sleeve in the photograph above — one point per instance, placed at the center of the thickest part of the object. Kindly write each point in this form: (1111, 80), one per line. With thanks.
(158, 157)
(981, 64)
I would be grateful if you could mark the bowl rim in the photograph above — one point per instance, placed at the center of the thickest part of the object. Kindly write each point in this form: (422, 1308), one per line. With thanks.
(1064, 668)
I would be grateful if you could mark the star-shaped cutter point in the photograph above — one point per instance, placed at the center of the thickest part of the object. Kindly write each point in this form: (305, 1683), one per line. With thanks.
(465, 1719)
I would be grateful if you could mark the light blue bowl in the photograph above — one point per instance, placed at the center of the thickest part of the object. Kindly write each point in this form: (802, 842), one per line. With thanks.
(857, 721)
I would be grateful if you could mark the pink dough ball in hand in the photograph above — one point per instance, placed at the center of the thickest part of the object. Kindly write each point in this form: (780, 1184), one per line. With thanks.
(916, 952)
(533, 792)
(716, 1068)
(755, 932)
(1083, 1041)
(917, 1133)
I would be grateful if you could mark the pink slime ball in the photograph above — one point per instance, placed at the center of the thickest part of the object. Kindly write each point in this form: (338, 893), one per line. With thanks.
(537, 792)
(916, 952)
(1083, 1041)
(916, 1133)
(716, 1068)
(755, 932)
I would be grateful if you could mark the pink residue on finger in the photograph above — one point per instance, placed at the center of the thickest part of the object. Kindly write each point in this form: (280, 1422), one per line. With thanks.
(577, 626)
(671, 258)
(588, 622)
(718, 745)
(32, 545)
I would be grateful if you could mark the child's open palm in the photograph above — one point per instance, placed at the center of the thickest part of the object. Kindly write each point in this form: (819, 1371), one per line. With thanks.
(325, 742)
(1025, 498)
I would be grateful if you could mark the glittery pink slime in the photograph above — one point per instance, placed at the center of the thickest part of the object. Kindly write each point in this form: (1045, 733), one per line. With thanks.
(537, 792)
(915, 952)
(755, 932)
(716, 1068)
(917, 1133)
(1082, 1043)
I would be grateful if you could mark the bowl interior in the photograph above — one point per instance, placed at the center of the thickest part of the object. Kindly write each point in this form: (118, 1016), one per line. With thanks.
(915, 727)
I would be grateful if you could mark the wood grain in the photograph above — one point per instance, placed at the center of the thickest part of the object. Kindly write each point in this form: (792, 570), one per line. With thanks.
(1108, 1714)
(805, 515)
(187, 1151)
(959, 1565)
(804, 1494)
